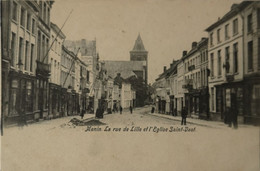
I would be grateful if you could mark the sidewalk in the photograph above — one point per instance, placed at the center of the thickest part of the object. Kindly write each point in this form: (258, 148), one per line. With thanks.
(198, 122)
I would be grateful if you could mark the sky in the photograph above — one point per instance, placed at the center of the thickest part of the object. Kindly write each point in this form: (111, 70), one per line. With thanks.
(167, 27)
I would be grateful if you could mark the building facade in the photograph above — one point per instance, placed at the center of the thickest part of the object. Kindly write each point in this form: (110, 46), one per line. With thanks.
(57, 38)
(195, 75)
(251, 28)
(21, 23)
(226, 63)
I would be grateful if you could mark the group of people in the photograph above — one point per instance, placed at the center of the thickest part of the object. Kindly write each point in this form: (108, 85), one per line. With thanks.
(115, 109)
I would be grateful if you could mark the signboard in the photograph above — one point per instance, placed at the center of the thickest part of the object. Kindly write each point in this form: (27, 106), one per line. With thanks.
(228, 98)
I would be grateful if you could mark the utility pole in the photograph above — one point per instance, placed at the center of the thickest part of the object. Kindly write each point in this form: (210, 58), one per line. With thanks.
(56, 37)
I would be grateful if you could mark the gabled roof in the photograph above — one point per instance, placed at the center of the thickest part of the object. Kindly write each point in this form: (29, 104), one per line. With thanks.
(125, 68)
(139, 46)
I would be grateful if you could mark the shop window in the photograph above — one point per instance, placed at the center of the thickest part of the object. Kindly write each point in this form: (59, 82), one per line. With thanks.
(212, 99)
(14, 101)
(29, 97)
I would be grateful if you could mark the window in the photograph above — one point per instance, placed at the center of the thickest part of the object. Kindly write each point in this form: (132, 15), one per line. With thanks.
(26, 55)
(43, 48)
(33, 26)
(218, 35)
(32, 54)
(226, 31)
(59, 48)
(28, 22)
(39, 46)
(258, 18)
(52, 39)
(44, 13)
(87, 75)
(249, 23)
(14, 11)
(235, 51)
(250, 55)
(20, 51)
(219, 63)
(212, 64)
(48, 16)
(22, 19)
(227, 59)
(211, 39)
(235, 26)
(13, 40)
(206, 54)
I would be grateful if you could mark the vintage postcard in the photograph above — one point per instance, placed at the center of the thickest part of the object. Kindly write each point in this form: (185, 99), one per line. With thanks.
(130, 85)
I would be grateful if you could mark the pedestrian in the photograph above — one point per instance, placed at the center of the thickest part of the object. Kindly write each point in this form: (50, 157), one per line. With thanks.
(82, 113)
(183, 116)
(121, 109)
(152, 109)
(131, 109)
(233, 112)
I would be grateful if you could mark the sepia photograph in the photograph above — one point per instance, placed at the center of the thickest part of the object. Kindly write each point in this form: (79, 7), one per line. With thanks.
(130, 85)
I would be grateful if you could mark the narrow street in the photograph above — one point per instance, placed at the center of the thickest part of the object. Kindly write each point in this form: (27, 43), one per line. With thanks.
(59, 144)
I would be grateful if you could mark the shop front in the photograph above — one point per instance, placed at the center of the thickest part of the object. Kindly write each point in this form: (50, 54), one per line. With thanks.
(21, 98)
(232, 98)
(54, 100)
(252, 99)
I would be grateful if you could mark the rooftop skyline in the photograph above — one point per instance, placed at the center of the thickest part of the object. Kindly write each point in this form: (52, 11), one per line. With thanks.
(167, 27)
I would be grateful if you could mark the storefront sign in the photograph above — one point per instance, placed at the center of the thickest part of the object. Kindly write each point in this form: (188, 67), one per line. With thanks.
(228, 98)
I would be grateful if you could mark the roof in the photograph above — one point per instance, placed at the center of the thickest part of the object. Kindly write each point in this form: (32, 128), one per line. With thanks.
(235, 9)
(200, 44)
(169, 71)
(126, 68)
(57, 30)
(139, 46)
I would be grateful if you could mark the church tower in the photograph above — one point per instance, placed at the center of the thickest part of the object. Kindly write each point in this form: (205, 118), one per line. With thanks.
(140, 54)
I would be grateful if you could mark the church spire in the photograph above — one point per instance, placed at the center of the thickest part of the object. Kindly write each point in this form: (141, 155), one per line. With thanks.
(139, 46)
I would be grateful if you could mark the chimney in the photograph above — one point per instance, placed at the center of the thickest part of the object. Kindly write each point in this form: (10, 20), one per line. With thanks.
(171, 64)
(193, 45)
(184, 53)
(164, 68)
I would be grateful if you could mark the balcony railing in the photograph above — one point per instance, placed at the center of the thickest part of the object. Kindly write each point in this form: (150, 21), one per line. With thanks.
(192, 67)
(43, 69)
(230, 78)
